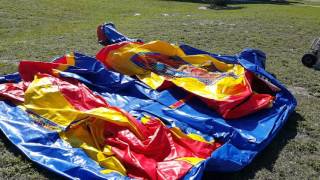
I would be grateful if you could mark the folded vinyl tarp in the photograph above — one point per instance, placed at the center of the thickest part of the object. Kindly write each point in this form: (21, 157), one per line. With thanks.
(76, 117)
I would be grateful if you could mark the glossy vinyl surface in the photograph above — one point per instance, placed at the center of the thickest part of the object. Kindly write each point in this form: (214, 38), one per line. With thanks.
(42, 141)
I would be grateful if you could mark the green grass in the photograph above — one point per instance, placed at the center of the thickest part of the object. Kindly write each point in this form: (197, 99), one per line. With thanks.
(43, 29)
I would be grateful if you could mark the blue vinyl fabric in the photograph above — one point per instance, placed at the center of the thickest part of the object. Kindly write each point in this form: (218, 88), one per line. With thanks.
(242, 138)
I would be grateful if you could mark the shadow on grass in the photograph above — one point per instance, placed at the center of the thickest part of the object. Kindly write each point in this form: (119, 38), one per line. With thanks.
(267, 158)
(226, 7)
(265, 2)
(235, 3)
(16, 152)
(277, 2)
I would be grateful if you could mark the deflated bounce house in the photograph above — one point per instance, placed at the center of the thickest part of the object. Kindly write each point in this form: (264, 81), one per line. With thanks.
(144, 110)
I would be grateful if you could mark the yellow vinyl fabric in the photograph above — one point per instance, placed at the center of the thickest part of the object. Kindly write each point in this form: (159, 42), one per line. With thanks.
(45, 99)
(88, 136)
(85, 124)
(228, 79)
(84, 129)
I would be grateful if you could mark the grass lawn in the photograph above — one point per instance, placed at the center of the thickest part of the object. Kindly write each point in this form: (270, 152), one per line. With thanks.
(43, 29)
